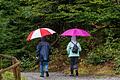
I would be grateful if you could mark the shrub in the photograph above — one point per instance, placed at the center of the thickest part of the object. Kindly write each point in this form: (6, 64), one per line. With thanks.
(9, 76)
(27, 64)
(104, 53)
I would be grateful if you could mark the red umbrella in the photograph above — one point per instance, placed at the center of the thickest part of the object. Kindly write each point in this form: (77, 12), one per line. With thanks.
(41, 32)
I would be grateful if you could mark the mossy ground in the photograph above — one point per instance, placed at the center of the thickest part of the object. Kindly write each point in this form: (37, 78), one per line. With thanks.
(88, 69)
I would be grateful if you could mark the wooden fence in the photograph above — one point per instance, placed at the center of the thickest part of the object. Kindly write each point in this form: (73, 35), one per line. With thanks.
(15, 67)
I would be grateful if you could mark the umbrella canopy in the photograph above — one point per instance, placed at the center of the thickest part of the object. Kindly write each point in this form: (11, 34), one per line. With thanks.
(41, 32)
(76, 32)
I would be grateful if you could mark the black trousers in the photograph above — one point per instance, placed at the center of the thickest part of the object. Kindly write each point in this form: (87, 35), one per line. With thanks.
(73, 63)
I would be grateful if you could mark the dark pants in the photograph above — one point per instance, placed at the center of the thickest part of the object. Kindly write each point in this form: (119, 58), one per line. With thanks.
(74, 64)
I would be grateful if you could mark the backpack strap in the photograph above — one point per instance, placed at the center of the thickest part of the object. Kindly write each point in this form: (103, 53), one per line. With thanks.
(74, 43)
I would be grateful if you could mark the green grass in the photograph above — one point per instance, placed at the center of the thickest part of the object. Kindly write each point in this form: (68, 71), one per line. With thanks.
(9, 76)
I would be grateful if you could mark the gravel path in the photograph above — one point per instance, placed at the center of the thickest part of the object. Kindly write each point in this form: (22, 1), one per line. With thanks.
(60, 76)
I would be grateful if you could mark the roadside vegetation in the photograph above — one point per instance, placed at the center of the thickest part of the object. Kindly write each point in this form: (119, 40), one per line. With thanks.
(9, 76)
(101, 18)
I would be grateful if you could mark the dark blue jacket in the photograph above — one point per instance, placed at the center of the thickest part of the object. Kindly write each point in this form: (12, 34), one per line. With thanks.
(43, 50)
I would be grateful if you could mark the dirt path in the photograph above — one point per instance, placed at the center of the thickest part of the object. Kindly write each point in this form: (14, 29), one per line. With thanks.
(60, 76)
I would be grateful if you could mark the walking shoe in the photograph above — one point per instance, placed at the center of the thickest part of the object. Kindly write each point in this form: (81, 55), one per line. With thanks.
(47, 74)
(71, 75)
(76, 72)
(72, 72)
(41, 76)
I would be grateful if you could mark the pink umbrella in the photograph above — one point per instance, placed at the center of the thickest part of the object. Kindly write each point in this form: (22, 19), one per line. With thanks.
(75, 32)
(41, 32)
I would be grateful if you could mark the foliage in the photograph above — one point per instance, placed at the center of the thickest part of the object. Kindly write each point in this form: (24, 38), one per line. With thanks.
(9, 76)
(19, 17)
(27, 64)
(102, 54)
(108, 51)
(90, 69)
(5, 63)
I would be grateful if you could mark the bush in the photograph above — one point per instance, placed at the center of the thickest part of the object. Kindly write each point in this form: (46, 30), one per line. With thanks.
(9, 76)
(27, 64)
(100, 55)
(108, 51)
(104, 53)
(5, 63)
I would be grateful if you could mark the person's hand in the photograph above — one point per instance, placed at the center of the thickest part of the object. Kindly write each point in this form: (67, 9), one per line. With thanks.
(37, 60)
(37, 57)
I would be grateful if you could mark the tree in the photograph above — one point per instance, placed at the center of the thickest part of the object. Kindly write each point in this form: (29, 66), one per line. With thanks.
(19, 17)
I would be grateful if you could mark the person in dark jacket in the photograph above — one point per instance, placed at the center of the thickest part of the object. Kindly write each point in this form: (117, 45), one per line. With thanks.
(43, 51)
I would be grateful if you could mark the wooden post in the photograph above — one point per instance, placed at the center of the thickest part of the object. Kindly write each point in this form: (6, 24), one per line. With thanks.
(15, 67)
(0, 76)
(0, 67)
(16, 70)
(0, 62)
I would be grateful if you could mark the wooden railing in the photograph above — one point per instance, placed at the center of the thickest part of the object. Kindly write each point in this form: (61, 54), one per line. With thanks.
(15, 67)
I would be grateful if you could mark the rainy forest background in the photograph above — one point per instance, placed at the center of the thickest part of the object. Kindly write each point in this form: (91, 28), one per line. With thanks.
(100, 52)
